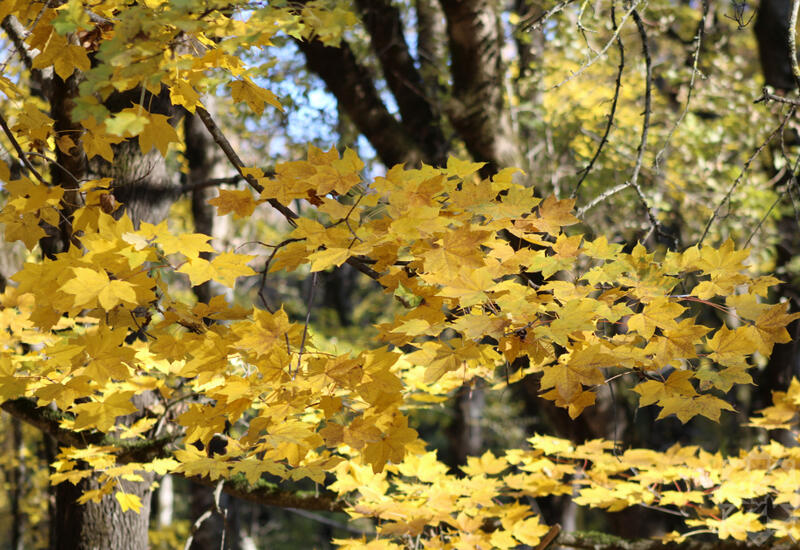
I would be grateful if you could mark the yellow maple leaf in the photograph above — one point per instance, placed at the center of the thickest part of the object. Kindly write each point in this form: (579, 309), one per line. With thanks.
(659, 313)
(228, 266)
(731, 347)
(128, 122)
(530, 531)
(736, 525)
(128, 501)
(255, 96)
(462, 168)
(238, 201)
(182, 93)
(96, 141)
(329, 257)
(392, 446)
(102, 413)
(158, 133)
(553, 214)
(90, 287)
(770, 328)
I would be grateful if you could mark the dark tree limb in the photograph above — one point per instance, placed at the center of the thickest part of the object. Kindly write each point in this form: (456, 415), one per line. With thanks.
(477, 109)
(382, 20)
(773, 34)
(353, 86)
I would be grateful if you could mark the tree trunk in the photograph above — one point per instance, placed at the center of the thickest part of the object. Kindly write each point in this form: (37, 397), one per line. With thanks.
(141, 183)
(101, 525)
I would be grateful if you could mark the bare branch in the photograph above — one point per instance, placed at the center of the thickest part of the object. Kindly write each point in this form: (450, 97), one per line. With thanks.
(701, 26)
(746, 166)
(793, 42)
(610, 123)
(603, 51)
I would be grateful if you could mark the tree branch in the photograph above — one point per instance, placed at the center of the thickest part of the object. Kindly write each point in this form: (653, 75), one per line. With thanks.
(20, 153)
(48, 421)
(355, 91)
(382, 20)
(288, 213)
(477, 109)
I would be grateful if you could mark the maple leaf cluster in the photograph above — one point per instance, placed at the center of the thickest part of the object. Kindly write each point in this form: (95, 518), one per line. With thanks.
(495, 282)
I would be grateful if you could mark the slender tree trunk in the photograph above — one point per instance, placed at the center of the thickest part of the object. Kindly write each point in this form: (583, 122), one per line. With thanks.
(466, 431)
(17, 480)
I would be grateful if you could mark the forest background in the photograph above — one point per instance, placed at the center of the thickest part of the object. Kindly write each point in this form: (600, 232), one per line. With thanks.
(271, 280)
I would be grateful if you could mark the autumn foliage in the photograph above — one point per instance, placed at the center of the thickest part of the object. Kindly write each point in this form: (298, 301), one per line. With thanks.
(491, 280)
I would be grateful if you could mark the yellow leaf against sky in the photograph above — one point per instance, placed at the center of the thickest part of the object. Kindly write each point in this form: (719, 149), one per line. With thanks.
(255, 96)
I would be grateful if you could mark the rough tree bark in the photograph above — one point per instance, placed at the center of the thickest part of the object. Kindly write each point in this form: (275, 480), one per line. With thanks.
(140, 181)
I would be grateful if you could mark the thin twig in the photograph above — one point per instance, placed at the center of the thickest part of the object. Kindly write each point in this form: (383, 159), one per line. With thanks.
(288, 213)
(602, 52)
(603, 196)
(765, 216)
(746, 166)
(766, 96)
(265, 271)
(308, 320)
(18, 149)
(698, 44)
(535, 24)
(634, 181)
(225, 145)
(793, 42)
(610, 123)
(55, 163)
